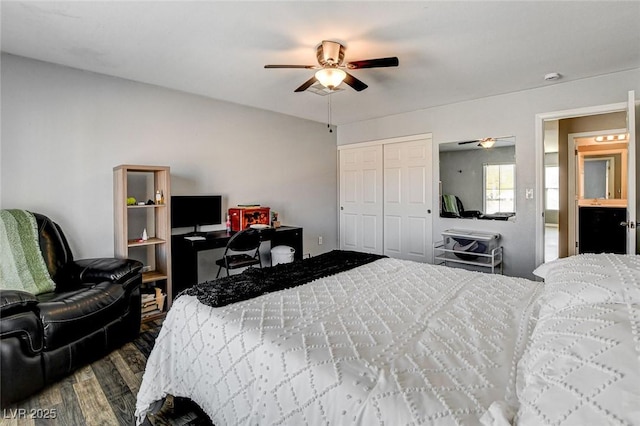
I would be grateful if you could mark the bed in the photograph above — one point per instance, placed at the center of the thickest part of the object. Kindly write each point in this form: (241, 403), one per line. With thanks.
(394, 342)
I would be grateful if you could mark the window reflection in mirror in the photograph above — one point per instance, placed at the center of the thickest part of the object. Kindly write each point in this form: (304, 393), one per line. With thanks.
(478, 178)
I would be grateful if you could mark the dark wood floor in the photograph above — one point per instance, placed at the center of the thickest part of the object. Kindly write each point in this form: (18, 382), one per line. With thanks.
(104, 393)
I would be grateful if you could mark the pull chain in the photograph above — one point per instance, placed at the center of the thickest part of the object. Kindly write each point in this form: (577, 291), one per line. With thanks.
(329, 113)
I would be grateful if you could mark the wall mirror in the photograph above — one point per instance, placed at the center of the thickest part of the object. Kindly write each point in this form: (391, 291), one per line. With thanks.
(478, 178)
(602, 170)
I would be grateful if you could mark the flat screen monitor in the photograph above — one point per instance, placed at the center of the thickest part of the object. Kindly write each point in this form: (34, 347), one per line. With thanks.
(195, 210)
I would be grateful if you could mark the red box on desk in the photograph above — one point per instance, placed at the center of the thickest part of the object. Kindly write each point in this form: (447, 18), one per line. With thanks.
(243, 217)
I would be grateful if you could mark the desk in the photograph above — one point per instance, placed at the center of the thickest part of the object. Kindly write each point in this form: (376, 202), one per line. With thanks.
(184, 252)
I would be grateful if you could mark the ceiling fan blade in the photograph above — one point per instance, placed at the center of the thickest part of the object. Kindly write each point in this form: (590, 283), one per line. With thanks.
(466, 142)
(308, 67)
(373, 63)
(306, 84)
(355, 83)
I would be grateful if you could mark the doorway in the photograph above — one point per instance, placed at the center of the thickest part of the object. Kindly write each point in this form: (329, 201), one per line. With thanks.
(570, 144)
(597, 188)
(556, 223)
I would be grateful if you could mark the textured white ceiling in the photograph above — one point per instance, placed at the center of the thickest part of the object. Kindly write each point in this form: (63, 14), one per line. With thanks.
(448, 51)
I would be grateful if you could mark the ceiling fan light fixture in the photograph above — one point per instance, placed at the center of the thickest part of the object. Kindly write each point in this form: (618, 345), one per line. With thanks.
(610, 138)
(330, 57)
(330, 77)
(487, 142)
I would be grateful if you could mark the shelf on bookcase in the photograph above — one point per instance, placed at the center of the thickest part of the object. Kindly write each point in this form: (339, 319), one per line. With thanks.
(152, 315)
(149, 242)
(151, 276)
(146, 206)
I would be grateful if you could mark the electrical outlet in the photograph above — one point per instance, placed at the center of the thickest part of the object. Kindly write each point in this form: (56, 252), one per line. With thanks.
(528, 194)
(320, 240)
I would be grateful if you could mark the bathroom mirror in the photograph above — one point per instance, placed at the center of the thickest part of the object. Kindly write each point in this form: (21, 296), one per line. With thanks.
(478, 178)
(602, 172)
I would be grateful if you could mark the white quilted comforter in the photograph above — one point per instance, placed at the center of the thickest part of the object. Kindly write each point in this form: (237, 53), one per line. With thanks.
(582, 366)
(389, 343)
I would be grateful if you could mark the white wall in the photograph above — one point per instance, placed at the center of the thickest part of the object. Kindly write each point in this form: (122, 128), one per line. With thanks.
(63, 131)
(509, 114)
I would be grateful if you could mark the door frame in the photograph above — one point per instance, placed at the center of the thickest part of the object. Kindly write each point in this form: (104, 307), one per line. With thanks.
(539, 158)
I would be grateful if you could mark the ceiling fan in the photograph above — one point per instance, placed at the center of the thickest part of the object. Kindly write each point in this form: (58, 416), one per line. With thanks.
(331, 67)
(484, 142)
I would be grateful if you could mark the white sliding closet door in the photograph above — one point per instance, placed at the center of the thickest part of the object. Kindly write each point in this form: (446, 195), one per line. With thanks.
(361, 199)
(407, 200)
(386, 198)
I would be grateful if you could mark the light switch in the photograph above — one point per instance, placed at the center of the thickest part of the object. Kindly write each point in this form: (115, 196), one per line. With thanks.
(528, 193)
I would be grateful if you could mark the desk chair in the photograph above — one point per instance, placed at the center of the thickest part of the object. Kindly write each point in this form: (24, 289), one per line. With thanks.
(243, 249)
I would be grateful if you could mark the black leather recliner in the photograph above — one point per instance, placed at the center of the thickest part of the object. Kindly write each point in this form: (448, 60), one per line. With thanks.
(94, 309)
(461, 211)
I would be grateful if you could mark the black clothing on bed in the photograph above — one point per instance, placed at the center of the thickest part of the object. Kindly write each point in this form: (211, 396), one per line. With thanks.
(254, 282)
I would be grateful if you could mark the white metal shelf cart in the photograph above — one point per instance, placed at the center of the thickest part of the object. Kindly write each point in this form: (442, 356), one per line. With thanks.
(473, 248)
